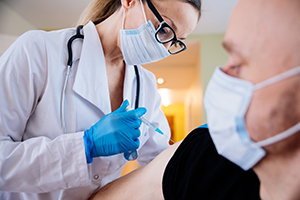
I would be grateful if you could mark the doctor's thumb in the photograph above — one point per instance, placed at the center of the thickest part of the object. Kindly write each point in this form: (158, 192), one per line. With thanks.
(123, 107)
(135, 114)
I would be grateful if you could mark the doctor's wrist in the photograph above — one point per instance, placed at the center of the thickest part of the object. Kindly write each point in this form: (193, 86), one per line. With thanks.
(87, 146)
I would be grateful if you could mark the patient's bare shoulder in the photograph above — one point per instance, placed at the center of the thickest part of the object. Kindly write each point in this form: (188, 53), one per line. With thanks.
(143, 183)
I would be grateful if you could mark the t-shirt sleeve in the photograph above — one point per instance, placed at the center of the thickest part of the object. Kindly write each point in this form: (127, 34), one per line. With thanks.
(197, 171)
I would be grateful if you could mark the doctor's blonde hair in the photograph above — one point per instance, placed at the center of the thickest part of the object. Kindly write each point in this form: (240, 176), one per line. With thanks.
(99, 10)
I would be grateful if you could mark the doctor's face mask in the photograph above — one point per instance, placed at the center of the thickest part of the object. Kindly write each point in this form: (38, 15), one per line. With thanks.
(139, 46)
(226, 102)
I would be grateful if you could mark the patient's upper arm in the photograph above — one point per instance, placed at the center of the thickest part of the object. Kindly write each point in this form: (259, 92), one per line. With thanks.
(143, 183)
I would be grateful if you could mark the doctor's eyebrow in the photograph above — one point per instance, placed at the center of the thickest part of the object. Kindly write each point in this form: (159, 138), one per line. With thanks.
(174, 27)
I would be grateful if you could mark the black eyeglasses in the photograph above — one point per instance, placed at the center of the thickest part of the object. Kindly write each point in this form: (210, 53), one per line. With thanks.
(165, 33)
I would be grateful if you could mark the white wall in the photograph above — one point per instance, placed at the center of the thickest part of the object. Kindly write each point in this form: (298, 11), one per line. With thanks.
(6, 41)
(12, 25)
(193, 100)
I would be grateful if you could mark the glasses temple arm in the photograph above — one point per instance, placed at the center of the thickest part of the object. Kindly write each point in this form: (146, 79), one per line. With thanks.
(155, 12)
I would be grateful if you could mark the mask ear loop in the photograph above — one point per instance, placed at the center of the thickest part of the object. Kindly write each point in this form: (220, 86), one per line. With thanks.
(143, 10)
(277, 138)
(277, 78)
(123, 20)
(292, 130)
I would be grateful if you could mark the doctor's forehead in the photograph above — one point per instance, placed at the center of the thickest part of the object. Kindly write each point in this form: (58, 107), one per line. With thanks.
(181, 15)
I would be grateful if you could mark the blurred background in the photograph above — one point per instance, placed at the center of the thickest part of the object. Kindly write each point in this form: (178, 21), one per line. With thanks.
(182, 78)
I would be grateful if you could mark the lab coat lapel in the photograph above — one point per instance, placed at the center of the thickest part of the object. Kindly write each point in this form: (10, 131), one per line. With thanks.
(91, 79)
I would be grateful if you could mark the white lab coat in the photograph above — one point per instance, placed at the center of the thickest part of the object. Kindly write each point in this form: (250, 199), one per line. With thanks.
(38, 161)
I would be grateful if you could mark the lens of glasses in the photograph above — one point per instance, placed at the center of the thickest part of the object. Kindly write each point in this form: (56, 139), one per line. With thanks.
(176, 47)
(164, 34)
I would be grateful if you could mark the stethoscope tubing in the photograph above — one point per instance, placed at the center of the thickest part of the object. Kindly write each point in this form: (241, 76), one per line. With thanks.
(69, 66)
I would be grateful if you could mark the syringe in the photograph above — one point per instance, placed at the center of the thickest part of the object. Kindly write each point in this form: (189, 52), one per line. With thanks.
(153, 127)
(132, 155)
(150, 125)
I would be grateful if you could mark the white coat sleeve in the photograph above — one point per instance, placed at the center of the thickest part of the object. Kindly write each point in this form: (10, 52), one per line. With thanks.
(156, 142)
(39, 164)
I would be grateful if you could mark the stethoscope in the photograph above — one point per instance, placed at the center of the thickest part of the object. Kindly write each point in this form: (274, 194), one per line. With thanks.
(69, 66)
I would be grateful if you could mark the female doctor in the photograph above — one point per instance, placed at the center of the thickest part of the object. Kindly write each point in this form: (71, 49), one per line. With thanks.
(64, 131)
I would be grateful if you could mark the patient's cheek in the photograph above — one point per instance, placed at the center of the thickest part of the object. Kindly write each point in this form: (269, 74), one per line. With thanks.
(271, 112)
(257, 117)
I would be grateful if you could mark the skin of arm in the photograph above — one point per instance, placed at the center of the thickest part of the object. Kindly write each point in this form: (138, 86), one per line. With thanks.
(144, 183)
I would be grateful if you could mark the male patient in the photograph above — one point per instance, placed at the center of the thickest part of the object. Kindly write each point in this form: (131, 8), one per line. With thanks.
(263, 42)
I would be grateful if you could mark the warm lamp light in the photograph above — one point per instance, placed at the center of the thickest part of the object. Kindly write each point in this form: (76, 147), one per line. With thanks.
(160, 81)
(165, 96)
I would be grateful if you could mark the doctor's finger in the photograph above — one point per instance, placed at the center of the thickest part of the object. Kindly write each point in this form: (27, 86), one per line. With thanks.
(133, 145)
(123, 107)
(133, 123)
(135, 114)
(136, 143)
(135, 134)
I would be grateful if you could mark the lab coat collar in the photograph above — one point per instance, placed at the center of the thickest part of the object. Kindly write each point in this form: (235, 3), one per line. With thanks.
(91, 79)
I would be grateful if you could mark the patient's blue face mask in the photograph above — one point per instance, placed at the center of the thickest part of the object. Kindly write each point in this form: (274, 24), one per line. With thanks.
(226, 102)
(139, 46)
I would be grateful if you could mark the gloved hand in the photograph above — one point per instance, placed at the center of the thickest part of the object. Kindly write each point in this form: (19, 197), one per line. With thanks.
(115, 133)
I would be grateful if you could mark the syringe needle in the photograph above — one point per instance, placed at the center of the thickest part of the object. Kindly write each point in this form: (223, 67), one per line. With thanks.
(152, 126)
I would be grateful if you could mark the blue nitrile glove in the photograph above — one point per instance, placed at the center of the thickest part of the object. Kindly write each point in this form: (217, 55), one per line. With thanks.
(115, 133)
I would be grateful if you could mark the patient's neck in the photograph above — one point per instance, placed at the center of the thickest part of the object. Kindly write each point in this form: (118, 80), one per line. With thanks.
(279, 176)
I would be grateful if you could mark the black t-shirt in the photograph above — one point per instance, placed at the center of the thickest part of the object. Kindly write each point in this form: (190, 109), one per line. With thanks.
(197, 171)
